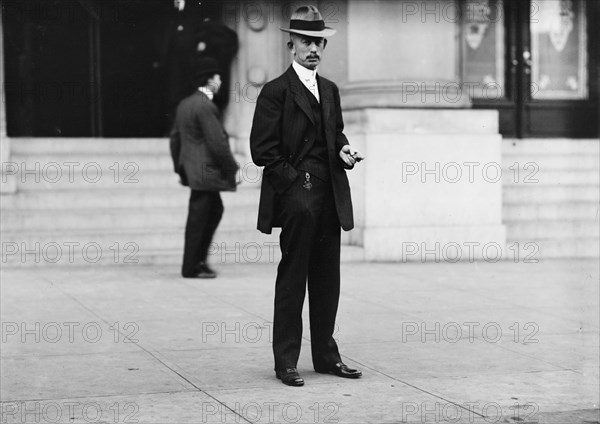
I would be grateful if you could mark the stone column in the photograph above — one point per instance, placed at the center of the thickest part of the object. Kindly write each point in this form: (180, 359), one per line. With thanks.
(261, 57)
(8, 183)
(404, 54)
(429, 188)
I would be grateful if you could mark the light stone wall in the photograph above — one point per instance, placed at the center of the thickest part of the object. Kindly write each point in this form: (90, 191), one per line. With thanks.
(431, 185)
(399, 41)
(431, 180)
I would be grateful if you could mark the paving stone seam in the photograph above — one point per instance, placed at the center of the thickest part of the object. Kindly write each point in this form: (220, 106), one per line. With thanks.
(561, 368)
(105, 396)
(416, 387)
(147, 351)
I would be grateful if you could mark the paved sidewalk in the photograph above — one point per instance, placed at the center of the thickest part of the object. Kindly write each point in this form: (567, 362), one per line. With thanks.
(465, 342)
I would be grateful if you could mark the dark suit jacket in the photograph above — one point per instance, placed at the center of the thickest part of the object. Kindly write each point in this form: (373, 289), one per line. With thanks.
(283, 130)
(200, 146)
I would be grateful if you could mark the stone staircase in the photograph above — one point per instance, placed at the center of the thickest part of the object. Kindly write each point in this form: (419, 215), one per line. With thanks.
(117, 201)
(551, 194)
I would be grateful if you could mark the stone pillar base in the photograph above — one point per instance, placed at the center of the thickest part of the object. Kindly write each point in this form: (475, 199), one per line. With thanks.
(431, 184)
(8, 183)
(436, 244)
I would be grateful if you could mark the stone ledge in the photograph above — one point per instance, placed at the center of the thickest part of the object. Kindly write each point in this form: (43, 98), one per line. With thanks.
(443, 243)
(422, 121)
(404, 94)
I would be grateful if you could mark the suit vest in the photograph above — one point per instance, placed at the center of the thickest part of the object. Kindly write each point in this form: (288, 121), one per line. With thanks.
(316, 161)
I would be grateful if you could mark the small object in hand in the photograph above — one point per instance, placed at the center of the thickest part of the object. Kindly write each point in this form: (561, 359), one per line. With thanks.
(356, 157)
(307, 184)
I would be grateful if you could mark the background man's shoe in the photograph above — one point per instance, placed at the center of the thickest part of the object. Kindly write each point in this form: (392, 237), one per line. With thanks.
(206, 272)
(290, 377)
(203, 272)
(341, 370)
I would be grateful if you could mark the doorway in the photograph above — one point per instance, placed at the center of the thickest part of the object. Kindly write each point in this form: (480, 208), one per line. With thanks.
(98, 68)
(536, 62)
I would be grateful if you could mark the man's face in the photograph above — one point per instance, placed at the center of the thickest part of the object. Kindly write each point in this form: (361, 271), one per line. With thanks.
(214, 84)
(179, 4)
(308, 50)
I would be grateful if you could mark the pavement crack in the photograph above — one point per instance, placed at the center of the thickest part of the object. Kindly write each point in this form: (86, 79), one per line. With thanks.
(414, 387)
(148, 352)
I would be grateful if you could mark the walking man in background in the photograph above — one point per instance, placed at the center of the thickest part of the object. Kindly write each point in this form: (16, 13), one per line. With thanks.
(297, 135)
(203, 159)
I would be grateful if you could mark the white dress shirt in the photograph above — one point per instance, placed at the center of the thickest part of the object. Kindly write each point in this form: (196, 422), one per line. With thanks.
(206, 91)
(308, 78)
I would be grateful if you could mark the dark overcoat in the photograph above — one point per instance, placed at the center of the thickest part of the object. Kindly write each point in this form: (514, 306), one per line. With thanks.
(283, 130)
(200, 147)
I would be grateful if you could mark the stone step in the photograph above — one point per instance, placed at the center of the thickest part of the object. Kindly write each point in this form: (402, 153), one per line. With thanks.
(547, 177)
(176, 196)
(525, 162)
(119, 146)
(146, 180)
(554, 146)
(46, 244)
(95, 173)
(113, 219)
(77, 162)
(150, 179)
(544, 230)
(252, 254)
(569, 248)
(78, 165)
(536, 193)
(527, 252)
(105, 151)
(551, 211)
(34, 145)
(158, 237)
(128, 257)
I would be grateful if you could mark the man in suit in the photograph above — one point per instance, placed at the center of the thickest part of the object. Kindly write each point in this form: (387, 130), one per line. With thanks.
(203, 159)
(297, 135)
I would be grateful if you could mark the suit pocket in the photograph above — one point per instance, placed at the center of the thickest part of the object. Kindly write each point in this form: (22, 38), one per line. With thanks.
(281, 176)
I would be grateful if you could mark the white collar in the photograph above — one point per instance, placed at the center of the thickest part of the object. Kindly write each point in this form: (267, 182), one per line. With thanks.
(304, 73)
(206, 91)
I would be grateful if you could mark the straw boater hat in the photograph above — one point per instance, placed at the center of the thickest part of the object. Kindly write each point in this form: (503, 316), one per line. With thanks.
(307, 20)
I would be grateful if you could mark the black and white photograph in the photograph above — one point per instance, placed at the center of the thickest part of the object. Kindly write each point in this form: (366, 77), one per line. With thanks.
(344, 211)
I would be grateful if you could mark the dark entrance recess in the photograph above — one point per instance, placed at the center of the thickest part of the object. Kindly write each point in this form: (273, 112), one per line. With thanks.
(103, 68)
(542, 58)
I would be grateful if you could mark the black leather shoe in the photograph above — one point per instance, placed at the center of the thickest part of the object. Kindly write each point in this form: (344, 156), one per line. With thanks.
(290, 377)
(341, 370)
(206, 271)
(203, 272)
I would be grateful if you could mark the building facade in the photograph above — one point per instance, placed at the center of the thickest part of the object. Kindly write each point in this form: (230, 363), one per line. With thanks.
(479, 120)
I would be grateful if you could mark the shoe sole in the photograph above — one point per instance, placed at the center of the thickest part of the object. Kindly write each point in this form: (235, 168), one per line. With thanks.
(291, 384)
(354, 376)
(203, 277)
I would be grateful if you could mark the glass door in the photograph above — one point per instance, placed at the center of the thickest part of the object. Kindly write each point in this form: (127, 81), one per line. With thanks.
(536, 62)
(101, 68)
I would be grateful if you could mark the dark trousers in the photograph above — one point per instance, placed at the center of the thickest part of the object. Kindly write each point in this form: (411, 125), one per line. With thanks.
(204, 214)
(310, 247)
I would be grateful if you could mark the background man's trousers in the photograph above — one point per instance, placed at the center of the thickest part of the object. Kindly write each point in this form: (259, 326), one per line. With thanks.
(310, 247)
(204, 214)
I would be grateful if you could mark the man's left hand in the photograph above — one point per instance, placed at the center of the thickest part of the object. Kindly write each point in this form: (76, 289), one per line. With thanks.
(350, 156)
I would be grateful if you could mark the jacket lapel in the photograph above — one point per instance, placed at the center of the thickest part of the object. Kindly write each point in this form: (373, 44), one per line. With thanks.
(326, 96)
(300, 94)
